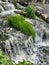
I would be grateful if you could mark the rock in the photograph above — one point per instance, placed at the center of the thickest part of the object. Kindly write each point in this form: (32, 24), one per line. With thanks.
(43, 12)
(24, 1)
(3, 36)
(47, 32)
(45, 15)
(5, 23)
(39, 8)
(44, 36)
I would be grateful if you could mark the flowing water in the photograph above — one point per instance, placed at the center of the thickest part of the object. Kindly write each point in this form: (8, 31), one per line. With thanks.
(19, 46)
(41, 42)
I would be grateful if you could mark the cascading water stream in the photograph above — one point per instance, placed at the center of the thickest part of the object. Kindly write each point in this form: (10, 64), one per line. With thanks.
(19, 46)
(41, 41)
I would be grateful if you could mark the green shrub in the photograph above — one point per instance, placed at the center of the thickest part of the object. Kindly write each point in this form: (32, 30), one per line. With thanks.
(4, 59)
(19, 23)
(30, 11)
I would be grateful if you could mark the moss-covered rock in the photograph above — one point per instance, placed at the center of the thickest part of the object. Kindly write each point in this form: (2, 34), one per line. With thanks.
(18, 22)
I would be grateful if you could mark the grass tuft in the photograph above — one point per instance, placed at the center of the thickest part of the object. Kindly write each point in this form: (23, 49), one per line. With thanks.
(30, 11)
(5, 60)
(18, 22)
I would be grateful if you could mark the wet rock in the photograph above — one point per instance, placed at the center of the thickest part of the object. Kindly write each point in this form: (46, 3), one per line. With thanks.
(5, 23)
(24, 2)
(47, 32)
(1, 9)
(44, 36)
(3, 36)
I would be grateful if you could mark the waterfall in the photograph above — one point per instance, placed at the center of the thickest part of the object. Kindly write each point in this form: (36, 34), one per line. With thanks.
(19, 46)
(41, 44)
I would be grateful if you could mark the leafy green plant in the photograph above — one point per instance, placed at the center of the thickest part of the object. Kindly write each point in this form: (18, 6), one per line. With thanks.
(19, 23)
(30, 11)
(5, 60)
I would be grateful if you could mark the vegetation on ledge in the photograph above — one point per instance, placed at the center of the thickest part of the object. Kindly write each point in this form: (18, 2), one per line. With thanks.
(30, 11)
(18, 22)
(5, 60)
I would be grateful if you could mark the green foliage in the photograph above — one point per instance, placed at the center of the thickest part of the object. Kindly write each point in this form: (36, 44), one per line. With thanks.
(4, 59)
(25, 63)
(30, 11)
(19, 23)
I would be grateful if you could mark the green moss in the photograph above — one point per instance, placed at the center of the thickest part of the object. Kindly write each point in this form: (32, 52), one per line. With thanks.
(4, 59)
(19, 23)
(30, 11)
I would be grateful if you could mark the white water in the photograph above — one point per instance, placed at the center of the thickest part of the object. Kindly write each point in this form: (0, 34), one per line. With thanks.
(19, 46)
